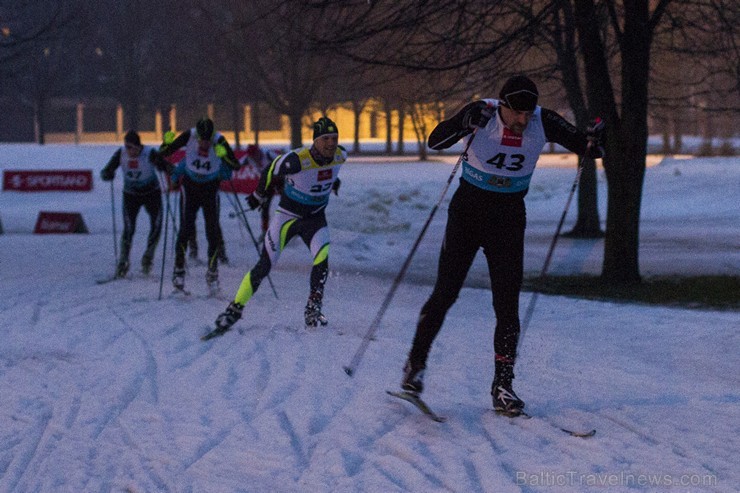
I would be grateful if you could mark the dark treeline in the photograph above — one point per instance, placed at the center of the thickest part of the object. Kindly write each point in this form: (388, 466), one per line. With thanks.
(664, 66)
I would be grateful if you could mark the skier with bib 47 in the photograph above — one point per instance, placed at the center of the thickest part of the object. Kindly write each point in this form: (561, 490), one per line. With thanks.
(307, 175)
(487, 211)
(140, 189)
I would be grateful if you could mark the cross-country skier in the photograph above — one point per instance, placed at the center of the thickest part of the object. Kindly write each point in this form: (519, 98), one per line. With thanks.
(309, 175)
(487, 211)
(208, 160)
(140, 189)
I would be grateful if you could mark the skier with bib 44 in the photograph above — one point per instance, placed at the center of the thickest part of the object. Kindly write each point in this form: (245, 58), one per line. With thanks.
(487, 212)
(208, 160)
(307, 176)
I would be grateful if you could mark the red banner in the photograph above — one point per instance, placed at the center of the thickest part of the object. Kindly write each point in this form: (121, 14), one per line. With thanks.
(48, 181)
(59, 222)
(244, 180)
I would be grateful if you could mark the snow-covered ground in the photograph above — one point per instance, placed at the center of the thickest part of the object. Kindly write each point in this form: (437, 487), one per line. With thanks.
(107, 388)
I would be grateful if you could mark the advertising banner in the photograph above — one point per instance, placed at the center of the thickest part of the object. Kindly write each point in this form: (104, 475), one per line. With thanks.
(59, 223)
(48, 181)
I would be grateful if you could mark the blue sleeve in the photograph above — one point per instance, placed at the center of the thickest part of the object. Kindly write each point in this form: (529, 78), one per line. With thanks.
(225, 171)
(179, 170)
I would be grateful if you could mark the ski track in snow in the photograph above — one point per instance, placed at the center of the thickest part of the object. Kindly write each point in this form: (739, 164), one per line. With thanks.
(164, 433)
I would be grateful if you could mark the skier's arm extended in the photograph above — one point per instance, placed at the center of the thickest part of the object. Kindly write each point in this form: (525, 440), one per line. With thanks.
(559, 131)
(109, 171)
(167, 148)
(448, 132)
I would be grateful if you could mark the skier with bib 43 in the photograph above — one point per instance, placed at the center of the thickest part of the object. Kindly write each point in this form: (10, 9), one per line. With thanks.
(487, 211)
(307, 176)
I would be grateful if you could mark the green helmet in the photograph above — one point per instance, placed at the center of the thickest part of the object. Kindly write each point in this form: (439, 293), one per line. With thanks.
(324, 126)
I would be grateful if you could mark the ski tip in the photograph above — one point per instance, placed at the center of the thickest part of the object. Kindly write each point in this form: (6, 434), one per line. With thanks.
(212, 333)
(579, 434)
(108, 279)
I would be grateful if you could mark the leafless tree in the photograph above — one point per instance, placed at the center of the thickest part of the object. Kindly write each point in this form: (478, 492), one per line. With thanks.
(134, 45)
(615, 41)
(37, 46)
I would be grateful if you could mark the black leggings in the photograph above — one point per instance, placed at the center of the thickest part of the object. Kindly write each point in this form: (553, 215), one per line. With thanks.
(132, 204)
(494, 222)
(195, 196)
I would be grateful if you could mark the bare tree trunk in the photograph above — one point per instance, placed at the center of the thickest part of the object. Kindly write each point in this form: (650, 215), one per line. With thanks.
(296, 128)
(357, 110)
(40, 121)
(588, 224)
(401, 118)
(235, 122)
(255, 123)
(677, 135)
(626, 137)
(626, 170)
(625, 176)
(388, 128)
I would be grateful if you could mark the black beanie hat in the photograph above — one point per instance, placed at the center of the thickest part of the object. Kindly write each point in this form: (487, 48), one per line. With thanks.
(132, 138)
(519, 93)
(204, 127)
(324, 126)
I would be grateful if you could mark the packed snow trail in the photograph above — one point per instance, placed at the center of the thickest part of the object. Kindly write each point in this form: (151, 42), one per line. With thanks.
(104, 388)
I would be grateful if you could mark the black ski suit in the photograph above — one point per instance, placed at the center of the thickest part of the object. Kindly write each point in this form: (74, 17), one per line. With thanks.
(201, 172)
(140, 189)
(487, 211)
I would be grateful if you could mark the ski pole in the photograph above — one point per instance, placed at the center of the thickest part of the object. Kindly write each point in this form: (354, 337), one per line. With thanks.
(164, 244)
(596, 128)
(243, 215)
(113, 214)
(350, 369)
(533, 299)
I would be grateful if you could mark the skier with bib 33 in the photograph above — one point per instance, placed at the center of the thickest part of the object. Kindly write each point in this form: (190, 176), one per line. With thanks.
(307, 175)
(487, 212)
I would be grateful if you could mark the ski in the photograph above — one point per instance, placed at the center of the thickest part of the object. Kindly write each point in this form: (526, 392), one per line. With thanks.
(107, 280)
(217, 332)
(214, 291)
(180, 292)
(573, 433)
(419, 403)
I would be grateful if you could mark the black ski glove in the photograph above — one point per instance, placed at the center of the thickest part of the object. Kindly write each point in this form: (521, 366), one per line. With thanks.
(594, 134)
(477, 116)
(106, 174)
(255, 201)
(335, 186)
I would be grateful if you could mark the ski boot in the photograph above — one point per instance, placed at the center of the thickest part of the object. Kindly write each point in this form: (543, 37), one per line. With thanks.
(413, 378)
(193, 247)
(312, 313)
(121, 269)
(212, 279)
(146, 265)
(222, 258)
(229, 317)
(505, 400)
(178, 279)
